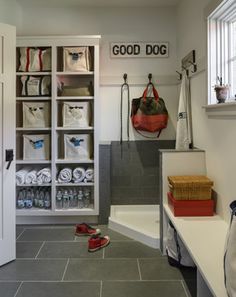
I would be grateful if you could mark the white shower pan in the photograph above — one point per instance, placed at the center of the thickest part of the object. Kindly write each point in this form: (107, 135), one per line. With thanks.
(139, 222)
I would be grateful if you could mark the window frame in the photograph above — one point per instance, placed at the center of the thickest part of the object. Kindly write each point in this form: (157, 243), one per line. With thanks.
(220, 59)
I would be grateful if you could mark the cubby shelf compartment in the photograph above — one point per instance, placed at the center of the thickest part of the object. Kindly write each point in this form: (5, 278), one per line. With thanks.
(33, 73)
(34, 185)
(56, 212)
(74, 211)
(76, 98)
(74, 73)
(33, 212)
(34, 98)
(24, 162)
(74, 184)
(63, 161)
(32, 129)
(74, 129)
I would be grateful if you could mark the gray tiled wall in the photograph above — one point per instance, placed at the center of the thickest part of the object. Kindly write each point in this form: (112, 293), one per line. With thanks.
(135, 171)
(104, 183)
(129, 174)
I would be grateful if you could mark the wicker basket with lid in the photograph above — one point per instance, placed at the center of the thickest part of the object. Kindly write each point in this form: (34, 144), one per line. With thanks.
(190, 187)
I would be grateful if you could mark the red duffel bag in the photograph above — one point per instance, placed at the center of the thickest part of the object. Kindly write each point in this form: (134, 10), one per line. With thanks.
(149, 113)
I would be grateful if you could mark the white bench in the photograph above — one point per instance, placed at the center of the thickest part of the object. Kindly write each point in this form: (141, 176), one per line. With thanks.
(204, 238)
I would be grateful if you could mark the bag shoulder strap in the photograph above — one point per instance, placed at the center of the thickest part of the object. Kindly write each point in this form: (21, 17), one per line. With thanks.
(124, 86)
(154, 91)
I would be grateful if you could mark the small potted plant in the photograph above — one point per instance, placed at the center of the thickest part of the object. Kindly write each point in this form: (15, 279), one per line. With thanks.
(221, 91)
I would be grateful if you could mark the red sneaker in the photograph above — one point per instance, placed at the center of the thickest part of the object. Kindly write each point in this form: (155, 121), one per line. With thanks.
(96, 242)
(85, 229)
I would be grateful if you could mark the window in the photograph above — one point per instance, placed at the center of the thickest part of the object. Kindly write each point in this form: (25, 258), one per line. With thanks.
(222, 50)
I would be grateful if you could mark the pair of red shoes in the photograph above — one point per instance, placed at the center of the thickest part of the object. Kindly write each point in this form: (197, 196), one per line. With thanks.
(95, 242)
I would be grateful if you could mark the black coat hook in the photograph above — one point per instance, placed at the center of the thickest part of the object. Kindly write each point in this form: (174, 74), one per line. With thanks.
(186, 70)
(180, 75)
(194, 66)
(150, 77)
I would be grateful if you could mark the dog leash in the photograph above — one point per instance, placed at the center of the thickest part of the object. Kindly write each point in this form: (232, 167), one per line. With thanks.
(124, 87)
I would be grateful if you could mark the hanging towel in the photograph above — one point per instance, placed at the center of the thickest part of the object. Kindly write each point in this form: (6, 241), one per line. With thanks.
(44, 176)
(184, 126)
(89, 175)
(65, 175)
(31, 177)
(78, 174)
(21, 175)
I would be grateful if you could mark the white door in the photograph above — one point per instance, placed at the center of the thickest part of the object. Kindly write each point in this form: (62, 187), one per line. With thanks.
(7, 143)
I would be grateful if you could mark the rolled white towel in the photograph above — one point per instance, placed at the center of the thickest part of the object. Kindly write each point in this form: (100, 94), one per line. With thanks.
(78, 174)
(21, 175)
(31, 177)
(89, 175)
(44, 176)
(65, 175)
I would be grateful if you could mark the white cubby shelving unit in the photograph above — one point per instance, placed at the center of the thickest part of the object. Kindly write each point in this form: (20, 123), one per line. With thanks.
(56, 130)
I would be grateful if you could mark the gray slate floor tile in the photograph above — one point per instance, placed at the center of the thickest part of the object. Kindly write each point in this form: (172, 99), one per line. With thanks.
(102, 269)
(27, 249)
(33, 270)
(19, 230)
(130, 249)
(67, 250)
(8, 289)
(47, 234)
(143, 289)
(158, 269)
(56, 289)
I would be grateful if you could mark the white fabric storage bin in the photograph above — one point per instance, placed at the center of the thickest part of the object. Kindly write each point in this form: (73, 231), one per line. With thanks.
(77, 58)
(36, 114)
(36, 147)
(77, 146)
(76, 114)
(36, 85)
(35, 59)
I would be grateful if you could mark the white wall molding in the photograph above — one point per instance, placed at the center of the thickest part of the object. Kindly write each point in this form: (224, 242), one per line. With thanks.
(160, 80)
(211, 7)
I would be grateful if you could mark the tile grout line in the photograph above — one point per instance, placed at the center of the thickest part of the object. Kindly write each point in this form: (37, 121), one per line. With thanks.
(40, 249)
(20, 234)
(100, 289)
(18, 289)
(139, 270)
(89, 281)
(185, 290)
(64, 273)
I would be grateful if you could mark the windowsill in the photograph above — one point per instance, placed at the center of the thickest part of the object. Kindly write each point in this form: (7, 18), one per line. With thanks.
(221, 110)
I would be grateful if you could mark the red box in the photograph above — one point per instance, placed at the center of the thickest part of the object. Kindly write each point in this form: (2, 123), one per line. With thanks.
(190, 208)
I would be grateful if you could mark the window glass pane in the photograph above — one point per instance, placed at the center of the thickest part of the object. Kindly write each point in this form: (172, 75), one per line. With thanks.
(234, 39)
(233, 84)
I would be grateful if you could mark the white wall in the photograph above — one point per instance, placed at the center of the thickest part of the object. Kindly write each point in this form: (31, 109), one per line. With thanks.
(9, 12)
(216, 136)
(115, 24)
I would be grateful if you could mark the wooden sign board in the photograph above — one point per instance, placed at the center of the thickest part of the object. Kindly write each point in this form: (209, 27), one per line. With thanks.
(139, 50)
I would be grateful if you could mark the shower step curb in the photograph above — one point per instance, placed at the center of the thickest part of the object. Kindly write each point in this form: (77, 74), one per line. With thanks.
(132, 231)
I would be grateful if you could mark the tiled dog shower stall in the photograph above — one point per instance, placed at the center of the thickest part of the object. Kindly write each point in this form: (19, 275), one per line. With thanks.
(134, 188)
